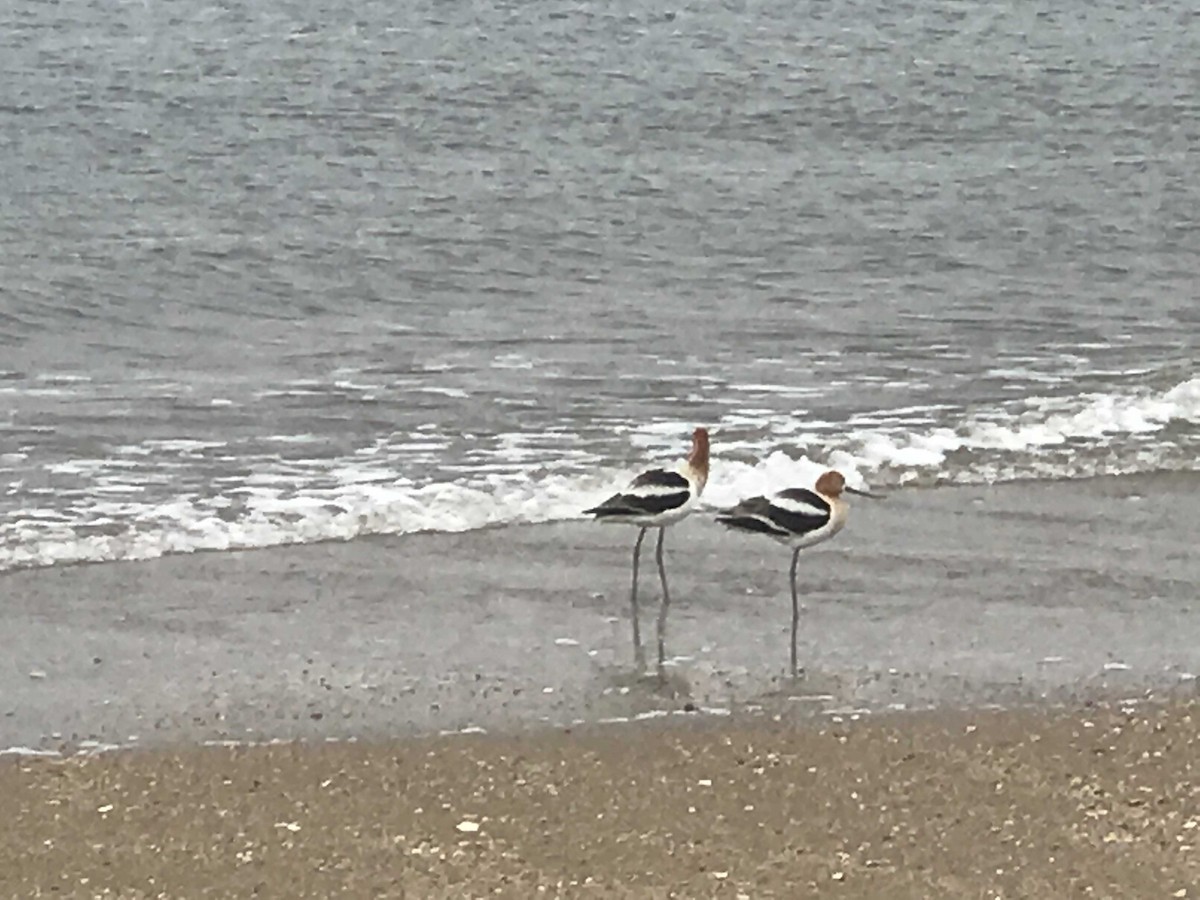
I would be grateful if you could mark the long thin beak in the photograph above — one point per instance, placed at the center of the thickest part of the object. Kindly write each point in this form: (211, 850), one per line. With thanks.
(858, 493)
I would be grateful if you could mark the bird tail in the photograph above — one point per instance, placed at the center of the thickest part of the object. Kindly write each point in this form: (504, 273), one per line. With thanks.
(747, 523)
(607, 508)
(601, 512)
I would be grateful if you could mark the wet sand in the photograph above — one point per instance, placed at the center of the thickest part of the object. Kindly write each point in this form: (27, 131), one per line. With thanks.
(1099, 802)
(949, 597)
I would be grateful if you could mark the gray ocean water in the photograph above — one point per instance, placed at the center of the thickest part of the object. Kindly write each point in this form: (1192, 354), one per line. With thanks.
(279, 272)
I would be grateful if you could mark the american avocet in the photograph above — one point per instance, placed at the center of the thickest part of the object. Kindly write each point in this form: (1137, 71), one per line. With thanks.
(655, 499)
(799, 518)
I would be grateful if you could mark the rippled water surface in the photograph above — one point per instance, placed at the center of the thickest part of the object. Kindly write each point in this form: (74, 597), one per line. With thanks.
(288, 271)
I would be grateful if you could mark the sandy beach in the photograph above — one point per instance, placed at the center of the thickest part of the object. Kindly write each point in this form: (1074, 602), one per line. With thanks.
(1096, 802)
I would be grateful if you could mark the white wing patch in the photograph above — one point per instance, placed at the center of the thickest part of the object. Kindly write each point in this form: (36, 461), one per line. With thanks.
(798, 507)
(654, 490)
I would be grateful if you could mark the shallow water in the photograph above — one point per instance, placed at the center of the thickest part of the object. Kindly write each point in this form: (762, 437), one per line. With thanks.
(946, 597)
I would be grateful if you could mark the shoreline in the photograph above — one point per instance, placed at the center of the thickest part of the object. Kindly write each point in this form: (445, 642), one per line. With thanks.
(1184, 476)
(943, 597)
(787, 708)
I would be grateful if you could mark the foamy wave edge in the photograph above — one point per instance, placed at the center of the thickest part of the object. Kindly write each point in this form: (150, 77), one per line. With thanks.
(865, 455)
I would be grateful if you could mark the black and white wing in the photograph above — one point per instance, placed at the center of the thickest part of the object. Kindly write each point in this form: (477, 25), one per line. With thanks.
(652, 493)
(789, 514)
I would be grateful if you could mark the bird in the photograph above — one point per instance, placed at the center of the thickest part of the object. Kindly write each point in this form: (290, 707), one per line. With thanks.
(657, 498)
(799, 518)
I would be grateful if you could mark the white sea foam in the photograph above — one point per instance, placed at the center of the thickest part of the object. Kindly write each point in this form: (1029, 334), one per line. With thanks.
(1045, 423)
(529, 478)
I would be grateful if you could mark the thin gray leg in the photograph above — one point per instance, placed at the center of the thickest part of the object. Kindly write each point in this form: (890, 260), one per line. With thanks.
(638, 655)
(795, 610)
(666, 604)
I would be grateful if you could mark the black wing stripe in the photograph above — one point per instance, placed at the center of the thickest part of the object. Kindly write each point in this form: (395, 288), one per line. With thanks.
(639, 504)
(796, 523)
(751, 524)
(660, 478)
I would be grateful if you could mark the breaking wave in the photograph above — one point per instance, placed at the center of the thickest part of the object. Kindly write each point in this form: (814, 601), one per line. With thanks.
(304, 501)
